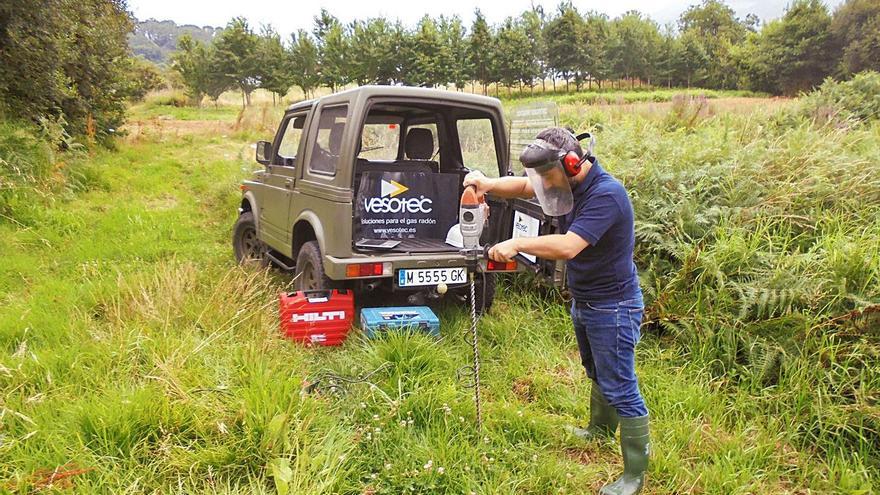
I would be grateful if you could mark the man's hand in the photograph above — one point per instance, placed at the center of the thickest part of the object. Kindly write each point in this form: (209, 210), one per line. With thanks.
(504, 251)
(480, 181)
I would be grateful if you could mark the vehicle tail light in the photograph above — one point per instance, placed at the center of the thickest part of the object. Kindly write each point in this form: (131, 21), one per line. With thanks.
(368, 270)
(498, 266)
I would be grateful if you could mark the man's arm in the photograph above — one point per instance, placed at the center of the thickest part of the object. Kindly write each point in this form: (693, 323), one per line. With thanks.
(504, 187)
(548, 247)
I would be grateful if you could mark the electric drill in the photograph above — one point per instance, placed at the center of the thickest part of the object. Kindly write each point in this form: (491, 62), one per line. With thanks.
(472, 215)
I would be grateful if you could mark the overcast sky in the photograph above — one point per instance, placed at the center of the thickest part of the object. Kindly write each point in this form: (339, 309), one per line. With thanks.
(289, 16)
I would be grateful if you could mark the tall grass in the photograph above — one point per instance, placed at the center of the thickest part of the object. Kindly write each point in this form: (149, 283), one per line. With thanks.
(621, 97)
(760, 248)
(39, 164)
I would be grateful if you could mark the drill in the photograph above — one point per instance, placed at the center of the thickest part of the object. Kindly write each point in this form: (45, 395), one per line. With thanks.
(472, 214)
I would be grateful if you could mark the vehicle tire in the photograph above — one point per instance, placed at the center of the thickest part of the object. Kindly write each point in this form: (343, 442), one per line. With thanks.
(309, 274)
(246, 244)
(485, 295)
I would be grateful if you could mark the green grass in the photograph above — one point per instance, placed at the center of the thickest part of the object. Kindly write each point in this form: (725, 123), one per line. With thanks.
(158, 110)
(132, 345)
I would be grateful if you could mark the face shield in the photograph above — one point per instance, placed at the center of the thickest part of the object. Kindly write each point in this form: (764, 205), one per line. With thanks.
(543, 164)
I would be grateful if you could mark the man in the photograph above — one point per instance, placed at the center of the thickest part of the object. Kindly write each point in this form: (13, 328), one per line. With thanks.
(596, 239)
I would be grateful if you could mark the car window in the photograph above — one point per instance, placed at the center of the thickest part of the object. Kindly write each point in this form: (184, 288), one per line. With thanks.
(328, 140)
(290, 139)
(478, 145)
(380, 142)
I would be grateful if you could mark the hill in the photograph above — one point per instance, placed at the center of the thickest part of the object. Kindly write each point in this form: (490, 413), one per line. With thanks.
(156, 40)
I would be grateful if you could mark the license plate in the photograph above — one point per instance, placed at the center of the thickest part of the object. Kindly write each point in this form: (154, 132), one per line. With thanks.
(431, 276)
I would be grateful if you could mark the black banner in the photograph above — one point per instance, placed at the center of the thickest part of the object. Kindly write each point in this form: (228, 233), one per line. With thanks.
(406, 205)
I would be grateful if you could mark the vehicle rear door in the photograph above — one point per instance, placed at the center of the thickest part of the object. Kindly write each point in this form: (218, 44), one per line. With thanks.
(525, 217)
(483, 147)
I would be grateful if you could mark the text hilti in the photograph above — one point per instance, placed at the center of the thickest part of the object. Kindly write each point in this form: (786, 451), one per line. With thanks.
(323, 316)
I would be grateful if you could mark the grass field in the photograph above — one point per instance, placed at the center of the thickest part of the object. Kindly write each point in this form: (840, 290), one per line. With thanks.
(136, 357)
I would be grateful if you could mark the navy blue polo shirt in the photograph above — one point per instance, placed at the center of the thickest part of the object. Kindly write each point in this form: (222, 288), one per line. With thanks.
(604, 271)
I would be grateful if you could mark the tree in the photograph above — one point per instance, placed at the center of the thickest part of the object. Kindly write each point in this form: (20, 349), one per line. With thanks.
(273, 64)
(634, 46)
(690, 59)
(790, 54)
(304, 61)
(144, 76)
(236, 57)
(333, 45)
(61, 58)
(592, 51)
(714, 26)
(533, 25)
(458, 63)
(427, 55)
(390, 65)
(191, 62)
(480, 49)
(562, 35)
(855, 29)
(199, 69)
(373, 48)
(514, 57)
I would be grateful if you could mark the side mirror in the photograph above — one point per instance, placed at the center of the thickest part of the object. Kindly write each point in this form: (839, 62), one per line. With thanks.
(264, 152)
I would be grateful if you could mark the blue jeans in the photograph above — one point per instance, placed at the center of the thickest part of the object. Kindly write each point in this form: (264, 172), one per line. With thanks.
(607, 335)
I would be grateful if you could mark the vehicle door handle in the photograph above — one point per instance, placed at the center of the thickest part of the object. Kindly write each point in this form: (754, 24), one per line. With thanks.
(288, 183)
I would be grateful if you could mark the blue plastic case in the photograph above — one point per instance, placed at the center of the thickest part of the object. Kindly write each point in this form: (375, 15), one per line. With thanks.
(375, 321)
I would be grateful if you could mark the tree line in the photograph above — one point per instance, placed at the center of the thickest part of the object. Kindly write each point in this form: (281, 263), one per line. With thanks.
(709, 46)
(69, 63)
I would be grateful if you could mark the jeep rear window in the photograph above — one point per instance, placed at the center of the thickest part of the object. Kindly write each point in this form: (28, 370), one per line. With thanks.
(328, 140)
(380, 141)
(478, 145)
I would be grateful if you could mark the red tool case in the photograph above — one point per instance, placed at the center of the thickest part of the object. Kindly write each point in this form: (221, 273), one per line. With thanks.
(320, 317)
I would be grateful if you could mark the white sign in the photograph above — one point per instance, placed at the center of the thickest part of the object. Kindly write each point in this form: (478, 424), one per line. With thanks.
(525, 226)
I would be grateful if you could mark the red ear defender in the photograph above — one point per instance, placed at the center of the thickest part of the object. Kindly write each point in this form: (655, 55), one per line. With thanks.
(572, 163)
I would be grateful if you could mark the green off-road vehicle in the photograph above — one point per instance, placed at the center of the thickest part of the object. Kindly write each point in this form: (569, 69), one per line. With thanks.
(361, 189)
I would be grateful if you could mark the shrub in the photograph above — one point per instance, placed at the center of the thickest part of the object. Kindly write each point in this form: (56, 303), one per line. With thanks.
(37, 161)
(172, 98)
(841, 103)
(687, 111)
(25, 160)
(65, 58)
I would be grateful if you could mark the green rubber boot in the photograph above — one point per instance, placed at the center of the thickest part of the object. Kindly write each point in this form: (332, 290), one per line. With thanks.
(603, 418)
(636, 449)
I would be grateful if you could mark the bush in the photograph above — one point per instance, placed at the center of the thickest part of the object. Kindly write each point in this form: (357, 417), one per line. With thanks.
(25, 160)
(687, 111)
(173, 98)
(843, 103)
(144, 77)
(65, 58)
(37, 162)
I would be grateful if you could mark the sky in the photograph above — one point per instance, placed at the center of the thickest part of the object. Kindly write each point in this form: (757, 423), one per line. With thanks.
(289, 16)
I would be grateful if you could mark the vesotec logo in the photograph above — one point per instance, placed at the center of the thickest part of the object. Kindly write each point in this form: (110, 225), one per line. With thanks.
(390, 203)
